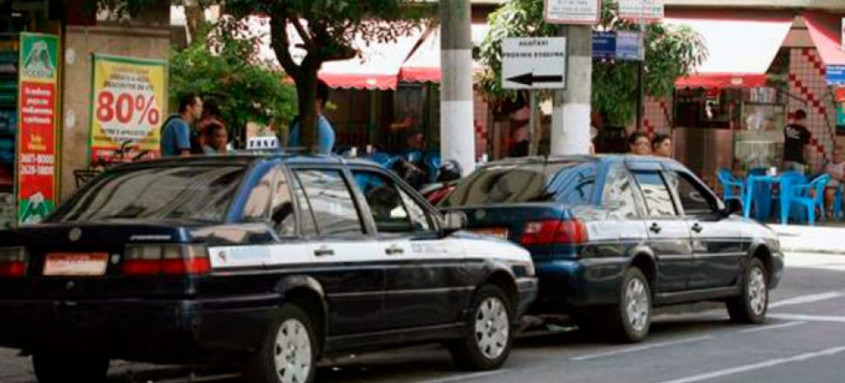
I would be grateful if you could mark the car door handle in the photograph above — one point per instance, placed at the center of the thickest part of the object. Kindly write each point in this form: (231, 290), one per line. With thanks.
(655, 228)
(323, 251)
(697, 228)
(394, 250)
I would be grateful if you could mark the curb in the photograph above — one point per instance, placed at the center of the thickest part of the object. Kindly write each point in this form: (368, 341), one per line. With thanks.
(805, 239)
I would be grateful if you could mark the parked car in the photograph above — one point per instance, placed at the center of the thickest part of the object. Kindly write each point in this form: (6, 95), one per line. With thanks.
(613, 236)
(268, 261)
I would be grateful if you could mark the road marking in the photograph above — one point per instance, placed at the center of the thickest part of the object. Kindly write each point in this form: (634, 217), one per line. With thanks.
(757, 366)
(639, 348)
(806, 299)
(809, 318)
(772, 327)
(464, 377)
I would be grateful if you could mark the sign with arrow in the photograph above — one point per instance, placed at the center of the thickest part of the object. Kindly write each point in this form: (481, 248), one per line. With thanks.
(534, 63)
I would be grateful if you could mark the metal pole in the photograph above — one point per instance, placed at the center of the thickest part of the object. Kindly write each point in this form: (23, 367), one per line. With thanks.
(571, 114)
(533, 130)
(640, 95)
(457, 132)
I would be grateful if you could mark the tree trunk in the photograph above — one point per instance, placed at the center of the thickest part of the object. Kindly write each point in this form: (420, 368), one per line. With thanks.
(194, 18)
(306, 88)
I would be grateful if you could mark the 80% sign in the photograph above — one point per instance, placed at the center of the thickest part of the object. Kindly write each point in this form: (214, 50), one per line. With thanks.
(127, 108)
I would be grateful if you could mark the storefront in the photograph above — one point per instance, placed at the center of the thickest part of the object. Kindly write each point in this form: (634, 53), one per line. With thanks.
(30, 92)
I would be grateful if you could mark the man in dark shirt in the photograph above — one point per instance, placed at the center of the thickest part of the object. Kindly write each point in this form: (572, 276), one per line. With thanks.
(796, 137)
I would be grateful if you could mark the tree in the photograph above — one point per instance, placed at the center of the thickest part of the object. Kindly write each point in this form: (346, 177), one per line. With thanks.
(219, 65)
(327, 29)
(670, 53)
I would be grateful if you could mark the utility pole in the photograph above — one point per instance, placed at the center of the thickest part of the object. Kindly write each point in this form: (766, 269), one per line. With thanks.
(571, 113)
(457, 131)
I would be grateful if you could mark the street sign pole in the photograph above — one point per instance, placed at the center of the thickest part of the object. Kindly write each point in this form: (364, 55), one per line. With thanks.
(640, 87)
(533, 125)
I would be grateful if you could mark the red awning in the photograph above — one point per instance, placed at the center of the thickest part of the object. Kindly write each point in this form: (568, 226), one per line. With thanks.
(824, 30)
(740, 46)
(424, 63)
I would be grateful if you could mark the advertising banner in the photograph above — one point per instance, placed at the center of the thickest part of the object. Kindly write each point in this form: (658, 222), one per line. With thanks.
(37, 142)
(128, 105)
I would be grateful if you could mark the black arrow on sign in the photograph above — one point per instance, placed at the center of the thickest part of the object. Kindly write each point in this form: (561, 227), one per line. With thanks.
(529, 79)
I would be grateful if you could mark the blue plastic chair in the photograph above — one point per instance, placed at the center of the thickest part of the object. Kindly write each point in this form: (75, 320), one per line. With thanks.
(802, 198)
(433, 161)
(838, 211)
(730, 184)
(787, 181)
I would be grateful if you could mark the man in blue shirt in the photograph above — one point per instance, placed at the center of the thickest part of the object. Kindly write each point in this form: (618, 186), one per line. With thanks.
(325, 132)
(176, 132)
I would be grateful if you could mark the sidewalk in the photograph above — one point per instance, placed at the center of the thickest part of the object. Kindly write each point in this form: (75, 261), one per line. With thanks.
(826, 238)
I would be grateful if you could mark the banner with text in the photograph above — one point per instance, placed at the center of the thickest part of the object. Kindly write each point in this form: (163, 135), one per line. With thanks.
(128, 101)
(37, 144)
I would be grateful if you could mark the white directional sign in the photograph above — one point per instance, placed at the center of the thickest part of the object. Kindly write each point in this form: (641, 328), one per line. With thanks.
(534, 63)
(572, 11)
(641, 9)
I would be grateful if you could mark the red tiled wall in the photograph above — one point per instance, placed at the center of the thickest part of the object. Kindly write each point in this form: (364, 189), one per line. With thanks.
(807, 81)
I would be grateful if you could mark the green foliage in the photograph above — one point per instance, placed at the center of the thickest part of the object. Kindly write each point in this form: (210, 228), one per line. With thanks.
(328, 29)
(225, 68)
(670, 53)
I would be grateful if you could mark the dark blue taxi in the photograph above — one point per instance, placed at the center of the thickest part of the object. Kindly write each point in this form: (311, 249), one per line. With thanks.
(612, 236)
(269, 262)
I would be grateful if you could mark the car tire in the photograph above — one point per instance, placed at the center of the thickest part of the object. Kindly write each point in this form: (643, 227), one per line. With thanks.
(64, 368)
(630, 320)
(751, 306)
(289, 352)
(489, 332)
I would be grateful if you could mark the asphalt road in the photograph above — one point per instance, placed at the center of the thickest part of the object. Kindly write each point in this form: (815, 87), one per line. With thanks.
(803, 341)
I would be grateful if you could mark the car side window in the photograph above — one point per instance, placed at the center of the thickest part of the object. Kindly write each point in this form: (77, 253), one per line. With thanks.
(331, 201)
(619, 193)
(306, 215)
(257, 205)
(658, 200)
(692, 198)
(392, 209)
(281, 206)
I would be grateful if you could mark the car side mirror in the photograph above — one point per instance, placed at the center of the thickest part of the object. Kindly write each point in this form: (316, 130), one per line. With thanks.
(734, 206)
(454, 221)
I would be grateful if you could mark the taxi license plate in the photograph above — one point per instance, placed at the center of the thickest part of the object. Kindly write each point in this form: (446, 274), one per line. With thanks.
(499, 232)
(77, 264)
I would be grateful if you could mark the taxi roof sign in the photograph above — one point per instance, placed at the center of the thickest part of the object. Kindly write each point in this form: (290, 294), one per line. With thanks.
(262, 143)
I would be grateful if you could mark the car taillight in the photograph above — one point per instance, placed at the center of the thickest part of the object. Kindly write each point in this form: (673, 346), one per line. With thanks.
(166, 260)
(571, 231)
(13, 262)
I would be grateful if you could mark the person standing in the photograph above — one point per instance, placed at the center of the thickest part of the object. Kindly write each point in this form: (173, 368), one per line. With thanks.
(325, 132)
(661, 145)
(176, 131)
(211, 114)
(639, 144)
(796, 137)
(216, 139)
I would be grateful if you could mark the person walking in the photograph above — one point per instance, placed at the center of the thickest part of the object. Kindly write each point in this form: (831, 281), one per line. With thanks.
(176, 131)
(796, 137)
(325, 132)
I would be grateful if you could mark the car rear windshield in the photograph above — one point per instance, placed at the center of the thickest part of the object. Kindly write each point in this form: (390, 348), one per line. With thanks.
(568, 182)
(186, 192)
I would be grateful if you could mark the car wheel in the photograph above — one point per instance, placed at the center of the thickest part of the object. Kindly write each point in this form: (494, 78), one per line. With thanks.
(751, 306)
(62, 368)
(289, 352)
(630, 320)
(489, 337)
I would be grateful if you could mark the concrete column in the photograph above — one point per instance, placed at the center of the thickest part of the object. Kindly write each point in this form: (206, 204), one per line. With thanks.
(571, 113)
(457, 135)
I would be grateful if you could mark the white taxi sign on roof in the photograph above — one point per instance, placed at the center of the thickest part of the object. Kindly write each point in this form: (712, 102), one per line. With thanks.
(262, 143)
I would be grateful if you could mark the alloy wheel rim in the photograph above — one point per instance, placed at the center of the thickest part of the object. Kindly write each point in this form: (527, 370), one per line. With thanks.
(637, 304)
(757, 291)
(492, 328)
(292, 352)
